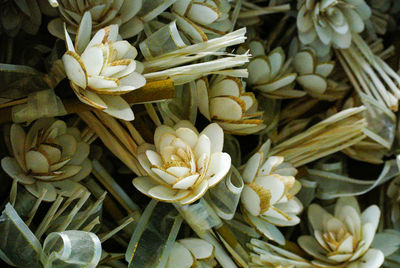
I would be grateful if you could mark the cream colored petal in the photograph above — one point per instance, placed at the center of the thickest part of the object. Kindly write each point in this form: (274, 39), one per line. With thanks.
(86, 169)
(202, 13)
(216, 135)
(220, 163)
(269, 165)
(166, 194)
(118, 107)
(178, 172)
(12, 168)
(304, 62)
(371, 214)
(75, 69)
(186, 182)
(259, 70)
(68, 188)
(226, 108)
(203, 147)
(276, 59)
(251, 168)
(251, 200)
(346, 246)
(160, 131)
(316, 215)
(93, 59)
(313, 82)
(311, 246)
(273, 184)
(373, 258)
(51, 151)
(36, 162)
(202, 96)
(167, 177)
(84, 31)
(180, 257)
(68, 144)
(226, 87)
(200, 248)
(186, 124)
(134, 80)
(280, 83)
(188, 136)
(37, 188)
(195, 194)
(154, 158)
(17, 140)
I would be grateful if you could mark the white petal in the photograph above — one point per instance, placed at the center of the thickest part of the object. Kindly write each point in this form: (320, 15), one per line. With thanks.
(216, 135)
(252, 166)
(118, 107)
(203, 146)
(68, 144)
(196, 193)
(186, 182)
(11, 167)
(200, 249)
(81, 153)
(93, 60)
(17, 140)
(226, 108)
(37, 162)
(75, 68)
(83, 33)
(220, 163)
(179, 257)
(154, 158)
(188, 136)
(373, 258)
(313, 82)
(304, 62)
(273, 184)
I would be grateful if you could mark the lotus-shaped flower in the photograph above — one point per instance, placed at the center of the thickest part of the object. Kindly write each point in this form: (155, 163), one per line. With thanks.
(272, 74)
(49, 156)
(191, 252)
(103, 13)
(182, 164)
(329, 22)
(269, 189)
(199, 20)
(226, 103)
(102, 69)
(343, 239)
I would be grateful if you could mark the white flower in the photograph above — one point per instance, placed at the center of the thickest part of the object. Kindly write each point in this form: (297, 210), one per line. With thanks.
(182, 164)
(188, 252)
(103, 13)
(50, 156)
(343, 239)
(226, 103)
(101, 69)
(272, 74)
(269, 189)
(199, 20)
(327, 22)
